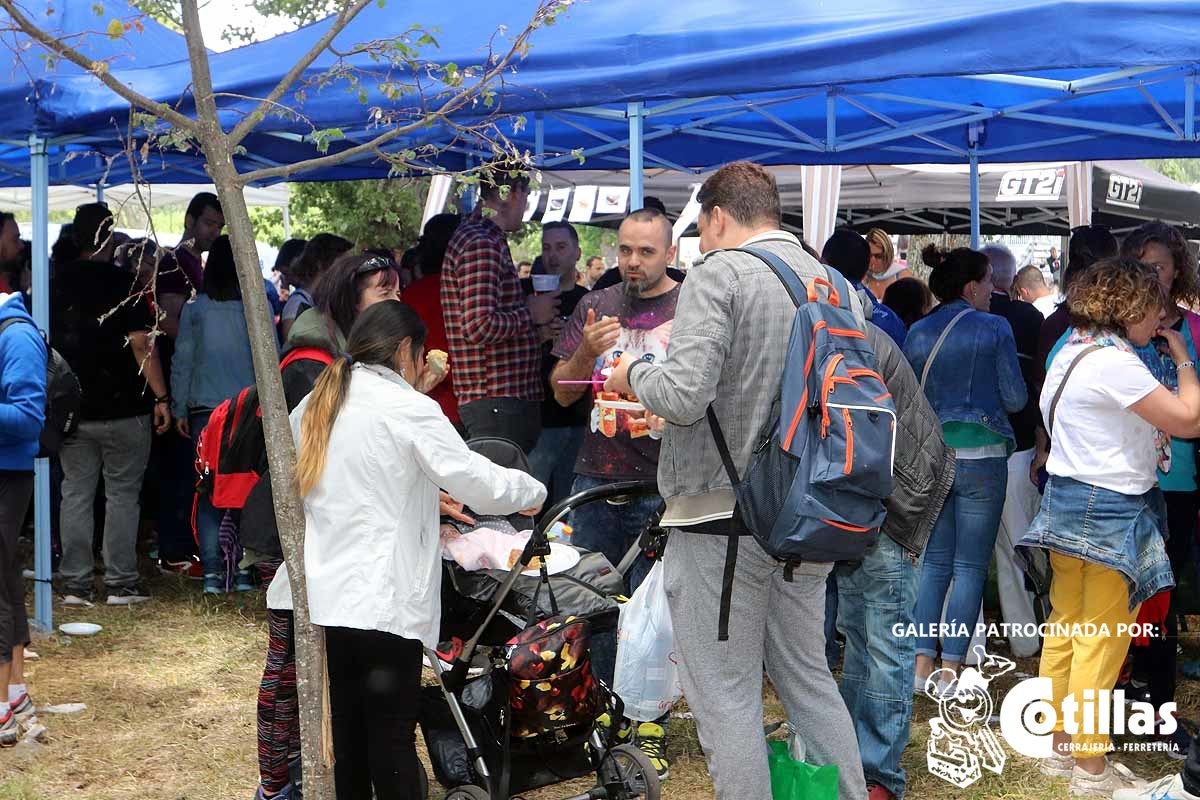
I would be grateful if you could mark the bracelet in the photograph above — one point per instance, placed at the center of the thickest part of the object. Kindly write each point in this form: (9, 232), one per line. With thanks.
(165, 400)
(1185, 364)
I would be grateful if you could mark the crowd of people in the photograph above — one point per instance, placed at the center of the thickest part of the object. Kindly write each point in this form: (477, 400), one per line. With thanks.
(1028, 421)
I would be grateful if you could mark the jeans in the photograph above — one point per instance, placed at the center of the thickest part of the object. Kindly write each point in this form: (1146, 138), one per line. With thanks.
(961, 549)
(120, 449)
(553, 461)
(772, 621)
(208, 519)
(519, 421)
(833, 649)
(613, 526)
(874, 595)
(176, 487)
(374, 698)
(16, 488)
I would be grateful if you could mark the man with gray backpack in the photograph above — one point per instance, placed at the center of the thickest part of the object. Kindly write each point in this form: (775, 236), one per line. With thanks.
(744, 591)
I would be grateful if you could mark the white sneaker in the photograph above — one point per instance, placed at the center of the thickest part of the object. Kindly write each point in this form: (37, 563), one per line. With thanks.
(1116, 777)
(1169, 788)
(944, 688)
(1057, 766)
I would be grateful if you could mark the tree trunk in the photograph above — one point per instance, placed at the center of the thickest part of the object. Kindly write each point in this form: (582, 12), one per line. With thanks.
(281, 457)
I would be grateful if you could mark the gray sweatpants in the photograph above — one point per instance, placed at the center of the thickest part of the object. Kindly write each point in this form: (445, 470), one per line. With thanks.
(771, 621)
(120, 448)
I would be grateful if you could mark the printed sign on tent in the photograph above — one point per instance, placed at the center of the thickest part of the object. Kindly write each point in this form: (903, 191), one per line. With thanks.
(690, 213)
(531, 205)
(584, 204)
(1032, 184)
(556, 205)
(612, 200)
(1124, 191)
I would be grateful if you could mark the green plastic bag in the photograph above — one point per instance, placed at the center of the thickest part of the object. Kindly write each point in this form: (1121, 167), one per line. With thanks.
(795, 780)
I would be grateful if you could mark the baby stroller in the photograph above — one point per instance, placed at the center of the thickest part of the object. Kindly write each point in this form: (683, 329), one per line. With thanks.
(516, 704)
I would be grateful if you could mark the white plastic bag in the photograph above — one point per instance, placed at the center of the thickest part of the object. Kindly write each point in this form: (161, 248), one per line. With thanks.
(647, 678)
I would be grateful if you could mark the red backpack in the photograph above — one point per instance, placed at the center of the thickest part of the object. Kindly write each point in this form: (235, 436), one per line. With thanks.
(231, 454)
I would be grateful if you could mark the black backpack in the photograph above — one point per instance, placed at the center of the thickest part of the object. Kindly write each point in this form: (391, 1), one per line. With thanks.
(64, 396)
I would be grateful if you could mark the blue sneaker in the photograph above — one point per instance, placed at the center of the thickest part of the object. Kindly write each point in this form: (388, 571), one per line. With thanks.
(243, 581)
(214, 584)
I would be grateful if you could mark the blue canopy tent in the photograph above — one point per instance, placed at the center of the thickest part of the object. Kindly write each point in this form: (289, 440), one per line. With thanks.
(29, 82)
(631, 83)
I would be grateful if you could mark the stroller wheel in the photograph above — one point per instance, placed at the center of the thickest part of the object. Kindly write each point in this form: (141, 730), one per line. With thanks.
(633, 770)
(467, 792)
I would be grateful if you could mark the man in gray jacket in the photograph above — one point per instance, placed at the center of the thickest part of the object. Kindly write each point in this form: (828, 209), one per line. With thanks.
(880, 592)
(727, 349)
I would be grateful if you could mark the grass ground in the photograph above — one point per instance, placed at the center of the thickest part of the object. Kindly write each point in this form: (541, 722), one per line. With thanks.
(171, 685)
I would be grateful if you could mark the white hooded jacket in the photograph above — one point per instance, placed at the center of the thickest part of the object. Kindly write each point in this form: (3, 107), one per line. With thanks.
(371, 551)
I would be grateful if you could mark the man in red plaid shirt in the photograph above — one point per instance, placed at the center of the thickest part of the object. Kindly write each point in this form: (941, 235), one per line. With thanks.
(494, 331)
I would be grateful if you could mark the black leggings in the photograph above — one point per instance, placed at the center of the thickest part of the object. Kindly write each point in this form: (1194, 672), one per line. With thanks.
(374, 695)
(1155, 663)
(15, 490)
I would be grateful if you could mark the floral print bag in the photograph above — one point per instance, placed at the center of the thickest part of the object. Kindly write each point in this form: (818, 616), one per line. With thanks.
(551, 685)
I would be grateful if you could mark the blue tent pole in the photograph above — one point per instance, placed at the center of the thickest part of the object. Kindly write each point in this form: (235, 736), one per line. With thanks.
(637, 177)
(39, 179)
(974, 201)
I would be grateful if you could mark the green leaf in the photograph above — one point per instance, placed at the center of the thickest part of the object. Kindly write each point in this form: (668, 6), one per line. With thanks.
(115, 29)
(98, 9)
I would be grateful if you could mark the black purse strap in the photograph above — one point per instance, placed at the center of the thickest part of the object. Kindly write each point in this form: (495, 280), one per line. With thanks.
(731, 548)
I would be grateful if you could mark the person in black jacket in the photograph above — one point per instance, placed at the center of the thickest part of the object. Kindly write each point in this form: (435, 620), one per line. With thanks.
(1021, 498)
(880, 592)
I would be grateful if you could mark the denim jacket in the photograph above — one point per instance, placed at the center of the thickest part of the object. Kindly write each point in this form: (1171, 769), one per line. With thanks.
(975, 377)
(212, 355)
(1119, 531)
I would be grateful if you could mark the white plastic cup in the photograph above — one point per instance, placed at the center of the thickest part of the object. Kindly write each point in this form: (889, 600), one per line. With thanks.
(545, 283)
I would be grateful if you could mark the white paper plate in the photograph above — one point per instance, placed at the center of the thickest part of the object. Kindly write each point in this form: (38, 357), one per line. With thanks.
(621, 405)
(562, 557)
(80, 628)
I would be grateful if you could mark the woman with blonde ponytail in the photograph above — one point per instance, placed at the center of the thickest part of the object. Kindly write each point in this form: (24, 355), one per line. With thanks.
(373, 453)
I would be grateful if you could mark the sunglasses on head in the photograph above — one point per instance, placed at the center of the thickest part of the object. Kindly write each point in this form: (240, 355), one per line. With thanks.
(375, 264)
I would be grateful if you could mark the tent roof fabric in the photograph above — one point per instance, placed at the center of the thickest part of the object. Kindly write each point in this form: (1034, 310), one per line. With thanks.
(801, 81)
(936, 198)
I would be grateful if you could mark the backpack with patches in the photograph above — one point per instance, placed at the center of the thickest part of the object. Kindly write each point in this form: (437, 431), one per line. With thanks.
(816, 483)
(64, 396)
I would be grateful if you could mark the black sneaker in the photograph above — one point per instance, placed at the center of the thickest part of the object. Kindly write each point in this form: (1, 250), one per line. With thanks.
(126, 595)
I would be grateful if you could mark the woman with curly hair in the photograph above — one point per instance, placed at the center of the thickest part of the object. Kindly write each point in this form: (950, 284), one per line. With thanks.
(1101, 517)
(1153, 661)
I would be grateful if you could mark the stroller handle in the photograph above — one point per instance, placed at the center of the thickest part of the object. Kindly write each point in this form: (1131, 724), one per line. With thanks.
(538, 544)
(620, 489)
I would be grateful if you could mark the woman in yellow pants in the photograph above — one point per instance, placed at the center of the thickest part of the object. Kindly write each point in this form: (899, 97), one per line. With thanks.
(1101, 514)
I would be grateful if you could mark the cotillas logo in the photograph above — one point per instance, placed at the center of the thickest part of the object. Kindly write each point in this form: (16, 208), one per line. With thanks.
(1032, 184)
(1124, 191)
(961, 742)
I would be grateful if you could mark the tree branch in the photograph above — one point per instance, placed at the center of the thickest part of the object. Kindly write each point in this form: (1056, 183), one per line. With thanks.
(98, 69)
(246, 125)
(455, 102)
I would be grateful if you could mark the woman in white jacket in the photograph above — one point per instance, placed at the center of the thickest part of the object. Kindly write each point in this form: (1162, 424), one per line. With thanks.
(373, 453)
